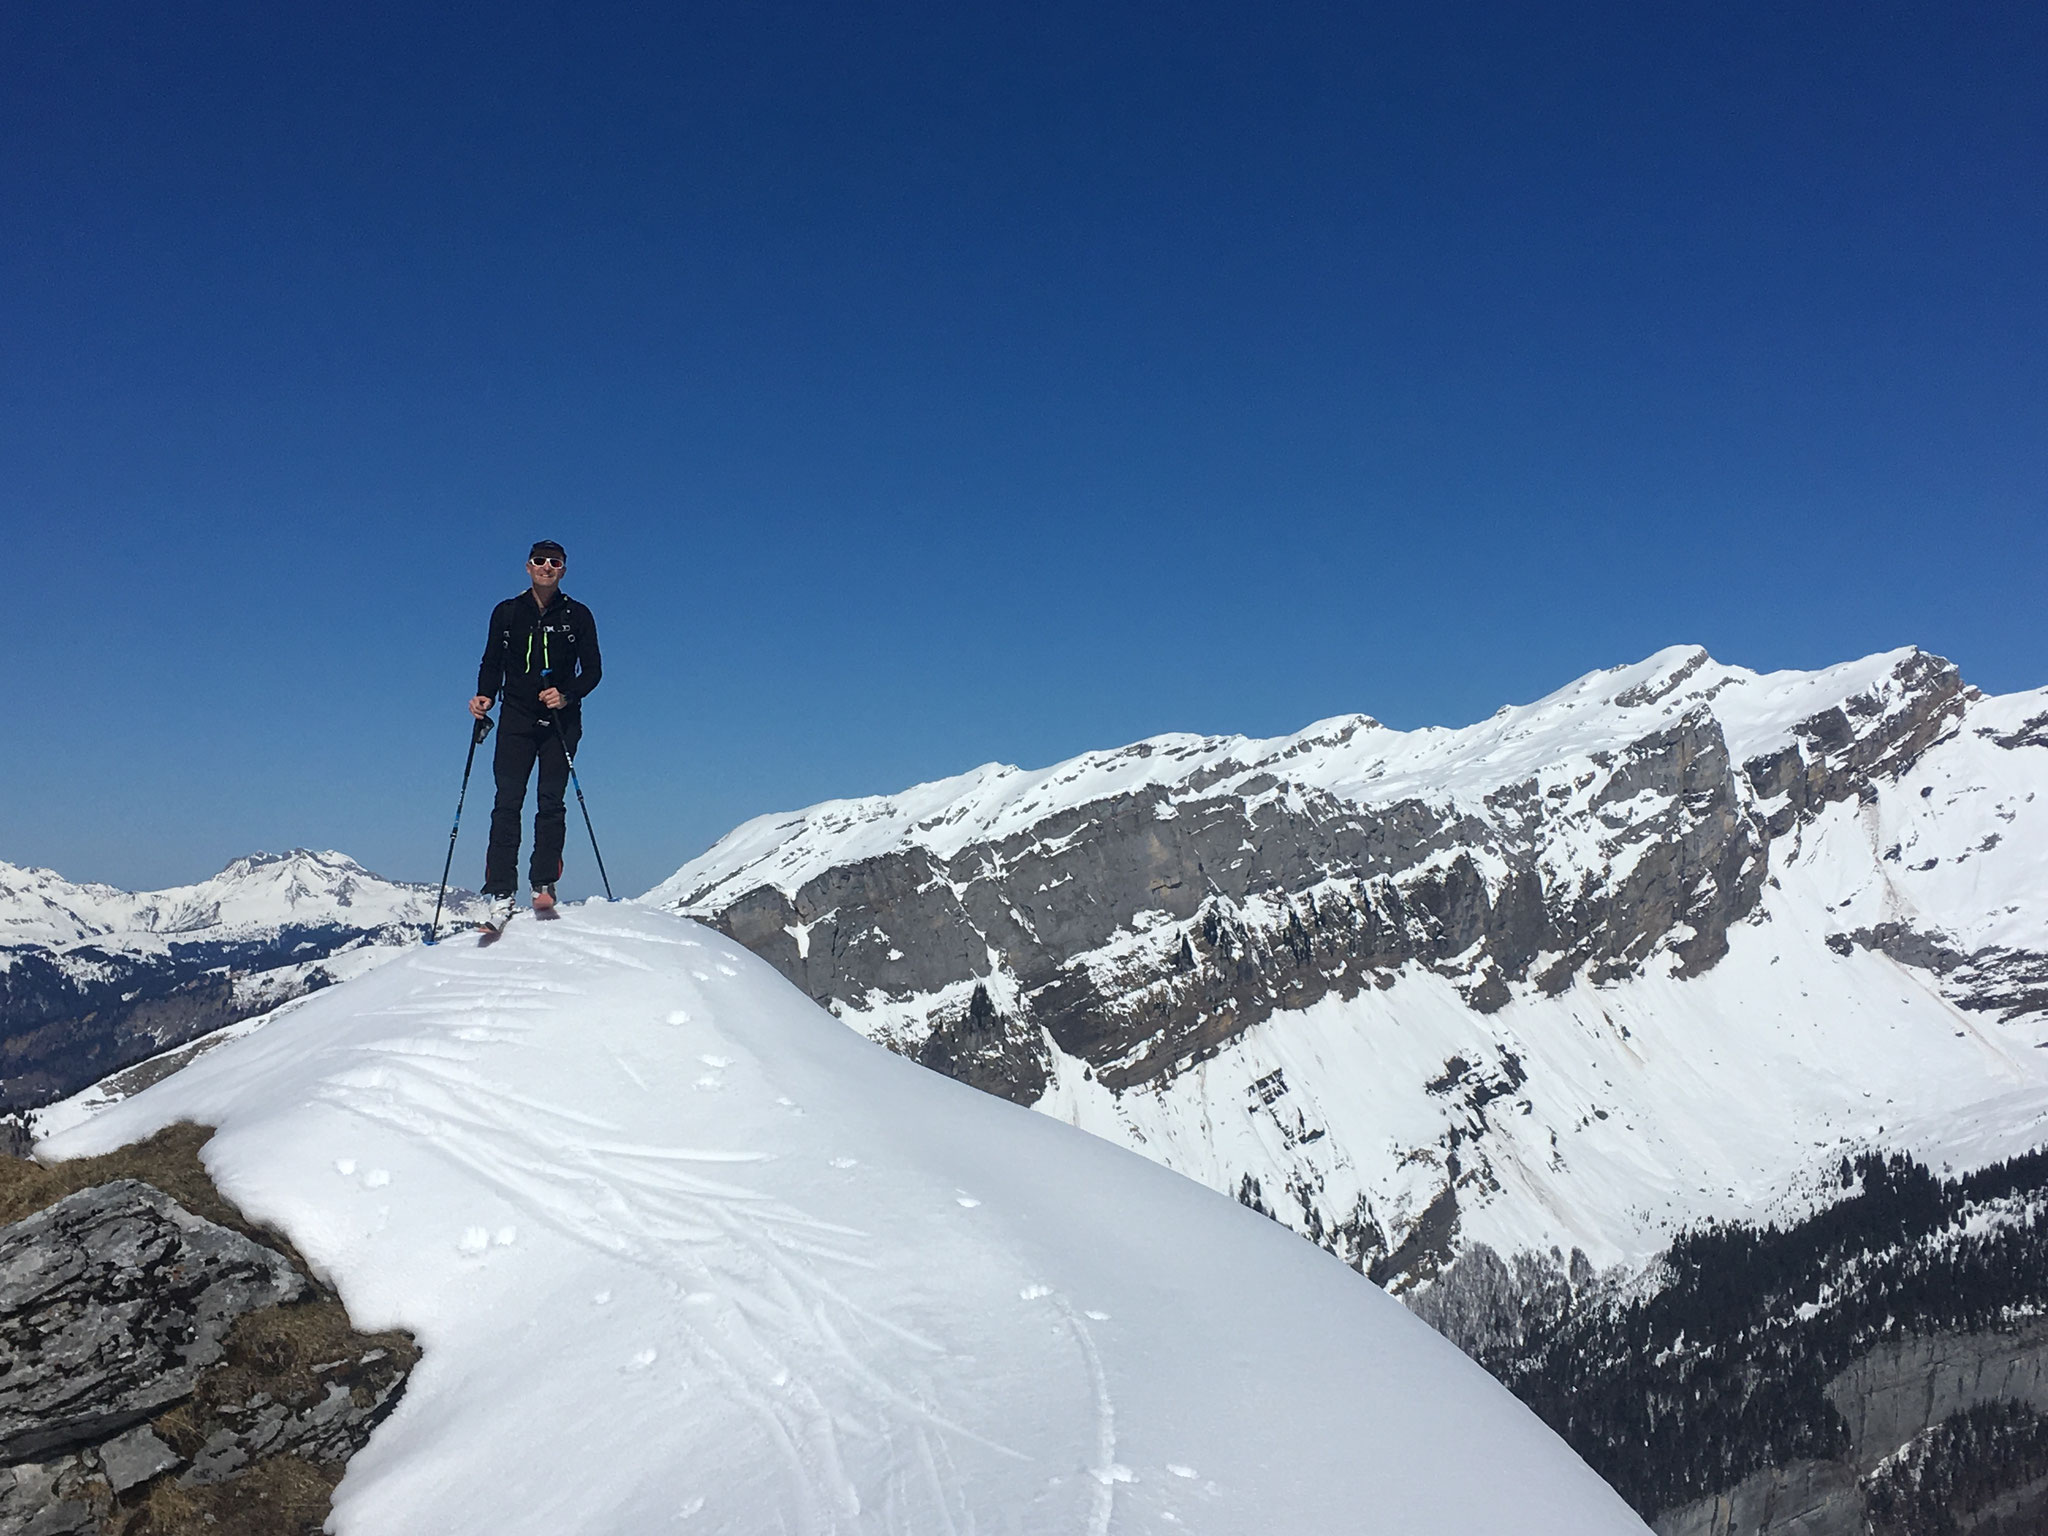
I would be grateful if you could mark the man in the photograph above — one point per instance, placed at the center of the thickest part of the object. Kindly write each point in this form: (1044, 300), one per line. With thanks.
(542, 653)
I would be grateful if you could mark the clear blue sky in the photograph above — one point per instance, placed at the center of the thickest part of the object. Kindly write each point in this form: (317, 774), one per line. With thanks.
(919, 385)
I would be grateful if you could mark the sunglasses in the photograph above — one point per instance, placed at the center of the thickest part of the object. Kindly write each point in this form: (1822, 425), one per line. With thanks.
(548, 560)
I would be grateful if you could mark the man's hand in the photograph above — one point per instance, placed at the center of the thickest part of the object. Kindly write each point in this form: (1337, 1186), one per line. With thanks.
(552, 697)
(480, 706)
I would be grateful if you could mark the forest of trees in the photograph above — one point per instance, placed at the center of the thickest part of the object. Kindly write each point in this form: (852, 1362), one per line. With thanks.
(1682, 1389)
(1960, 1475)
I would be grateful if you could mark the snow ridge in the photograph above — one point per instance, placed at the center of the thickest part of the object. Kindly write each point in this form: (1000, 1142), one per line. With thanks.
(683, 1252)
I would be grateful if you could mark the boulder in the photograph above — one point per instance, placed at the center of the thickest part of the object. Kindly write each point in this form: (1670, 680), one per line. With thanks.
(112, 1302)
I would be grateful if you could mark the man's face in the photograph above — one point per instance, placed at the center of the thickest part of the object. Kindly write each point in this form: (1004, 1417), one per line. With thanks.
(546, 571)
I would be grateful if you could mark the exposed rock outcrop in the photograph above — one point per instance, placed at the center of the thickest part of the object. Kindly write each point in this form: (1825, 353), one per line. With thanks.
(112, 1301)
(1840, 750)
(162, 1372)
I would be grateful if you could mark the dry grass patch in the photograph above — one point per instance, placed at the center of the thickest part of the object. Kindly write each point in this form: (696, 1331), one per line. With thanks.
(169, 1160)
(282, 1496)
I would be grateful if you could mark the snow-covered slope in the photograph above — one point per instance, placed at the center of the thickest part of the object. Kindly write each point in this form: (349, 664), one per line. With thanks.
(684, 1254)
(1658, 948)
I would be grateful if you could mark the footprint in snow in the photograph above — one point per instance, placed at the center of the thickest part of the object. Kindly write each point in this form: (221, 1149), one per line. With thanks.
(709, 1084)
(376, 1178)
(1099, 1317)
(679, 1016)
(506, 1236)
(845, 1162)
(1180, 1471)
(721, 1062)
(1035, 1292)
(602, 1298)
(344, 1166)
(695, 1506)
(700, 975)
(475, 1239)
(642, 1360)
(967, 1200)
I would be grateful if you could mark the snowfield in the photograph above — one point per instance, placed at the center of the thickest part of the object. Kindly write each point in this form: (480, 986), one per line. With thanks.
(686, 1254)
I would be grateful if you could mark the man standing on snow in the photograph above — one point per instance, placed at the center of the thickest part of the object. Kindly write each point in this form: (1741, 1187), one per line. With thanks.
(542, 652)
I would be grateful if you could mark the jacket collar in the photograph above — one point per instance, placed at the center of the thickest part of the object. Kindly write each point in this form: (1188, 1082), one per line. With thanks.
(559, 605)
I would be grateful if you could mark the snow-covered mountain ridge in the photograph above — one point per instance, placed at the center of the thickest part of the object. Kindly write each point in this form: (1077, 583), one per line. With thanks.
(93, 978)
(1648, 951)
(682, 1253)
(1350, 757)
(260, 892)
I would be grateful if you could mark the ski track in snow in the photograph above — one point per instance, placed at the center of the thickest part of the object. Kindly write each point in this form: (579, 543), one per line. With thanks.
(778, 1308)
(1105, 1471)
(777, 1336)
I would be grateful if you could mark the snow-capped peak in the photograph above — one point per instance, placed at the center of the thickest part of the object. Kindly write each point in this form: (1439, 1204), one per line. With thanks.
(261, 890)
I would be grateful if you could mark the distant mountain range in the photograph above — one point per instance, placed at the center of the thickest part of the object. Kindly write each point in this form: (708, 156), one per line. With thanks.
(1495, 1014)
(93, 979)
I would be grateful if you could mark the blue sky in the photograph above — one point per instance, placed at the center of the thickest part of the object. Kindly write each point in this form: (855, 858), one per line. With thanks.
(916, 386)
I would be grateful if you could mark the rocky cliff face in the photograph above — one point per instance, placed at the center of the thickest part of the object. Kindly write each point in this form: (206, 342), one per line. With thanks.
(1144, 931)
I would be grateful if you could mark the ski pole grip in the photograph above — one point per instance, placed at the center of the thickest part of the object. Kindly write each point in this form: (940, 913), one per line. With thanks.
(483, 729)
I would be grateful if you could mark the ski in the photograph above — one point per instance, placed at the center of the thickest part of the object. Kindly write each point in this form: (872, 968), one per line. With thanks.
(494, 922)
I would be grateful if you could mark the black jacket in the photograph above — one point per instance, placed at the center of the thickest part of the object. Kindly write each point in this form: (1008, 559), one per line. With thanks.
(528, 650)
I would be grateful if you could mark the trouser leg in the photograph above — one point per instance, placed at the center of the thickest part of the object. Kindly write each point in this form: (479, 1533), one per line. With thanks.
(551, 811)
(512, 766)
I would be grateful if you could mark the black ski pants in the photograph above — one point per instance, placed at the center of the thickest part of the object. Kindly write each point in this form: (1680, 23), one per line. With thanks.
(525, 738)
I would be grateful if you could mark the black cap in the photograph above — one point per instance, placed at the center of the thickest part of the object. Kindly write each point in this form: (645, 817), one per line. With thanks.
(547, 547)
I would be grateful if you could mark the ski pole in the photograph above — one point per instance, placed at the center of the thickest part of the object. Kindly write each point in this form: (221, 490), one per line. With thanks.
(476, 736)
(607, 879)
